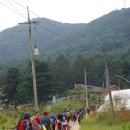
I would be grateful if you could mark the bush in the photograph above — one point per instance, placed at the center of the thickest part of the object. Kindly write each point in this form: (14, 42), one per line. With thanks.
(56, 108)
(126, 126)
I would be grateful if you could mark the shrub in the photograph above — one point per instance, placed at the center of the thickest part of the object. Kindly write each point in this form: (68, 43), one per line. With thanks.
(56, 108)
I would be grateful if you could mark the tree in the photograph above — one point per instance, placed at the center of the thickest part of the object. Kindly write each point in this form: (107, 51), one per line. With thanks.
(24, 92)
(78, 69)
(61, 73)
(13, 78)
(45, 84)
(91, 70)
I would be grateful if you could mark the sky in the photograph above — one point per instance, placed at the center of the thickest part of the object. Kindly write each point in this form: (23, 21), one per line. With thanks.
(65, 11)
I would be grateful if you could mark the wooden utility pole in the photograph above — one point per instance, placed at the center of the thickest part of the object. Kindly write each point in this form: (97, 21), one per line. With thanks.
(33, 63)
(108, 86)
(86, 88)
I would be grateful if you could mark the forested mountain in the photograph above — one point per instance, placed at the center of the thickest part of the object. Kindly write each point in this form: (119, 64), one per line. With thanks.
(111, 31)
(59, 43)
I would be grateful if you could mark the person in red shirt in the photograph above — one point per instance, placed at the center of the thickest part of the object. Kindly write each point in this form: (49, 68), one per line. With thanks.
(61, 123)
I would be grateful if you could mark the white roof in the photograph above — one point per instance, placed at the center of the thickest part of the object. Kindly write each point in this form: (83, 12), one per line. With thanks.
(120, 94)
(121, 98)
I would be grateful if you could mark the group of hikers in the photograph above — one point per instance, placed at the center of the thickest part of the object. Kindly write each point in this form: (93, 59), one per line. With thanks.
(50, 121)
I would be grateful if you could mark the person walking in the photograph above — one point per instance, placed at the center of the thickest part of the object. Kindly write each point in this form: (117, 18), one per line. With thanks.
(36, 124)
(25, 123)
(46, 121)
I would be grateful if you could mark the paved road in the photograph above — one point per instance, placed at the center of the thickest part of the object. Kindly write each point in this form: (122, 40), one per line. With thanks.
(74, 126)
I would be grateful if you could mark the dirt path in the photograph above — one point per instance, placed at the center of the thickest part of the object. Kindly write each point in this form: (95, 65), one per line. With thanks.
(74, 126)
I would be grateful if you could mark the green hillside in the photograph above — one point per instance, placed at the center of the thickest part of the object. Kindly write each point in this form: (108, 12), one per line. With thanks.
(110, 31)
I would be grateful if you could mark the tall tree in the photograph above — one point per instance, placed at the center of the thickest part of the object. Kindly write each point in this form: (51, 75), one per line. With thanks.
(61, 72)
(12, 81)
(25, 88)
(91, 70)
(45, 84)
(78, 69)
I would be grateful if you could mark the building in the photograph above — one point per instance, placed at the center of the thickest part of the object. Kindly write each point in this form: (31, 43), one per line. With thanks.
(121, 99)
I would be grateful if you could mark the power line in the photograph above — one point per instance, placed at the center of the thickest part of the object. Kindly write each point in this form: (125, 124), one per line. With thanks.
(37, 24)
(46, 22)
(32, 12)
(13, 10)
(58, 34)
(12, 5)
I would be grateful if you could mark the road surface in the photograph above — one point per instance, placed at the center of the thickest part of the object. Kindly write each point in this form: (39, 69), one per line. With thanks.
(74, 126)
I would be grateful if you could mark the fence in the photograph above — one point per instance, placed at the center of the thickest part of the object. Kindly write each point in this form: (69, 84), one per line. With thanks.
(70, 98)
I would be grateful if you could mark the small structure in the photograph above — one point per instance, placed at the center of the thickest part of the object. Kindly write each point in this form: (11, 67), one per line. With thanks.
(112, 87)
(90, 87)
(97, 93)
(121, 99)
(94, 92)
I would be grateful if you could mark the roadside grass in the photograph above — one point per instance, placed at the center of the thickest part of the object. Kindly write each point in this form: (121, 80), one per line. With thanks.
(9, 118)
(103, 121)
(101, 126)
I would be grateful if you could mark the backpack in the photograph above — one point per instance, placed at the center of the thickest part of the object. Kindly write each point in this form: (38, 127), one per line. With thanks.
(60, 126)
(74, 113)
(53, 120)
(45, 120)
(68, 114)
(24, 125)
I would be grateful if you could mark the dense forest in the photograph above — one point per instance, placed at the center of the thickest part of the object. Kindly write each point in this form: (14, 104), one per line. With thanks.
(56, 77)
(65, 51)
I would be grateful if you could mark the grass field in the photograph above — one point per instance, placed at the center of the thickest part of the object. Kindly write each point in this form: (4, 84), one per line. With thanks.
(104, 122)
(102, 126)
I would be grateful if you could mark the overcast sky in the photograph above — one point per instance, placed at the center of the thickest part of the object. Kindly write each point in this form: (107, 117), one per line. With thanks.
(13, 12)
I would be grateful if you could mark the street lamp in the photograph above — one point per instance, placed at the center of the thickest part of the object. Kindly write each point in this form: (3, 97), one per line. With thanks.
(122, 78)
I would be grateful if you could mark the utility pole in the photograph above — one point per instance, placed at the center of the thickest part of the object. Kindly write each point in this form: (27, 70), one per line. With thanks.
(108, 86)
(86, 88)
(33, 63)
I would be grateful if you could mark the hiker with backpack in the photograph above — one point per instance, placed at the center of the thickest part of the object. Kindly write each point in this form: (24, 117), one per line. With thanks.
(68, 115)
(74, 115)
(36, 124)
(46, 121)
(25, 123)
(53, 120)
(61, 123)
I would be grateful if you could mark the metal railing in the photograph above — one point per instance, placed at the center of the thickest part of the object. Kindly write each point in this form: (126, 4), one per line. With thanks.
(71, 98)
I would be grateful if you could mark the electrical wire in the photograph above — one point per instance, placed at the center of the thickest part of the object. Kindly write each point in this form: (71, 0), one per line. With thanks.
(12, 5)
(13, 10)
(32, 12)
(46, 22)
(57, 34)
(37, 24)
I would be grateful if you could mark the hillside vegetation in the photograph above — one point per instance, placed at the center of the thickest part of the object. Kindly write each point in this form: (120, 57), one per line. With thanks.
(110, 31)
